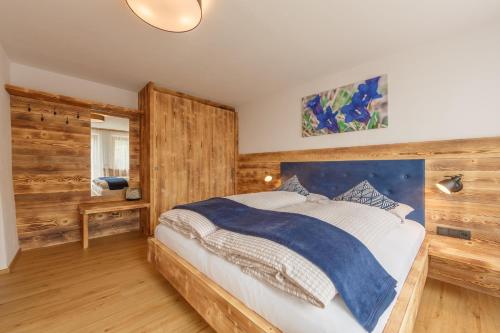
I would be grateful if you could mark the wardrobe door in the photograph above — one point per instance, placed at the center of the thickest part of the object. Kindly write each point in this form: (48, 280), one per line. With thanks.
(223, 156)
(200, 179)
(169, 156)
(194, 152)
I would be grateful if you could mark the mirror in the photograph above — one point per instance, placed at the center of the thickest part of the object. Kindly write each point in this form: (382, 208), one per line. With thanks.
(109, 148)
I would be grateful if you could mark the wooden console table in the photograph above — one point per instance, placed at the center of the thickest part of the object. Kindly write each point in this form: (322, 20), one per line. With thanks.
(466, 263)
(87, 209)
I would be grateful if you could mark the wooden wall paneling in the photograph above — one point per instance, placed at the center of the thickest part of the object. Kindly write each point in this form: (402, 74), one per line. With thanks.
(231, 155)
(476, 207)
(135, 151)
(192, 151)
(105, 224)
(51, 169)
(70, 101)
(146, 98)
(51, 166)
(464, 148)
(199, 181)
(162, 163)
(222, 161)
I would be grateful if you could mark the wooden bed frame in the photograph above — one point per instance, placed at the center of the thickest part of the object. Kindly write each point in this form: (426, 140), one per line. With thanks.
(225, 313)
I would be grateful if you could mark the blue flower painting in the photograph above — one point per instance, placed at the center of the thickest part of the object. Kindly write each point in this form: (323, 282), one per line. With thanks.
(354, 107)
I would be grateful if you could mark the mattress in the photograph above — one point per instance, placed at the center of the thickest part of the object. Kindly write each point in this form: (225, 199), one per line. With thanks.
(290, 314)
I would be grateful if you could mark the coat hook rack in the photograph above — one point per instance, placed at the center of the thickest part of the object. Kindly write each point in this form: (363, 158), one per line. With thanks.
(42, 118)
(55, 112)
(67, 120)
(78, 115)
(29, 107)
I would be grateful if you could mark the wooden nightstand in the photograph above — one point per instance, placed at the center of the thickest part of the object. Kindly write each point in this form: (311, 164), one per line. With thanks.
(87, 209)
(470, 264)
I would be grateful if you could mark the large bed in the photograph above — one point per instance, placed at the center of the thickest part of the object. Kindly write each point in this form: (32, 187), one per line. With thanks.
(231, 300)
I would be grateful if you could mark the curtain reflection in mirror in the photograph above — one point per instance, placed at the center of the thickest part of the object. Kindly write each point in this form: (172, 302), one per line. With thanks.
(109, 155)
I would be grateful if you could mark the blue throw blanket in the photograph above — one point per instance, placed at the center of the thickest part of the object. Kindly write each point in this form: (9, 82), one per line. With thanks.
(115, 183)
(365, 286)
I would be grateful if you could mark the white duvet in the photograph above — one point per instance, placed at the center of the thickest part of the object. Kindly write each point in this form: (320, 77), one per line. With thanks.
(194, 225)
(274, 263)
(291, 314)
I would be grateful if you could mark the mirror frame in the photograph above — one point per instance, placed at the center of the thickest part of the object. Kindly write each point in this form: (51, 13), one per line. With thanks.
(131, 116)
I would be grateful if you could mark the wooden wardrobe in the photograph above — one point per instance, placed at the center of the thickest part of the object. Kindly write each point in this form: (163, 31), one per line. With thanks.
(189, 149)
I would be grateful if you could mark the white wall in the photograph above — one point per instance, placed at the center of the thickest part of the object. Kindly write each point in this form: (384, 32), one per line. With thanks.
(442, 91)
(35, 78)
(8, 233)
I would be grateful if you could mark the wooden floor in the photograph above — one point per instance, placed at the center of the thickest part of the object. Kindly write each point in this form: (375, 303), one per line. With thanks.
(447, 308)
(111, 288)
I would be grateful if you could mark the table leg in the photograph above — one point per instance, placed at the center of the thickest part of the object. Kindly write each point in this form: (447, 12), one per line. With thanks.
(85, 231)
(144, 219)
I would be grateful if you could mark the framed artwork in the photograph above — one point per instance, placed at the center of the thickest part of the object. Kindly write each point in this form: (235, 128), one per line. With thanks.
(354, 107)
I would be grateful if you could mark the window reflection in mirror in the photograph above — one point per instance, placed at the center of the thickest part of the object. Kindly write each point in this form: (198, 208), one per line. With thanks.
(109, 154)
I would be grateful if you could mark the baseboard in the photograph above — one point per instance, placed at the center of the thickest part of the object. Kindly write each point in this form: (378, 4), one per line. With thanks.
(11, 265)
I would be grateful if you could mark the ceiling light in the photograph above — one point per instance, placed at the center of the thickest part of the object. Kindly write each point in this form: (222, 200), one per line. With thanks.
(168, 15)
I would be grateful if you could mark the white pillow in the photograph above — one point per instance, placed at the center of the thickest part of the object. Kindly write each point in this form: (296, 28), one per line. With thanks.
(315, 197)
(401, 211)
(268, 200)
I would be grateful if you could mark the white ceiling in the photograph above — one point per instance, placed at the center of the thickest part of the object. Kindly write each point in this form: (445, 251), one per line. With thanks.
(242, 50)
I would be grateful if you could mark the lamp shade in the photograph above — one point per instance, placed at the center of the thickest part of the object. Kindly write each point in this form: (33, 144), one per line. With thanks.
(168, 15)
(451, 185)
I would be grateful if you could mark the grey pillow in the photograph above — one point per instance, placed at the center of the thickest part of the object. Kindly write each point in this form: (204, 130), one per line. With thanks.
(365, 193)
(293, 185)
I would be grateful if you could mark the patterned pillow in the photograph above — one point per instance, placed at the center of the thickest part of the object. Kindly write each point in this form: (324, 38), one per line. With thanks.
(365, 193)
(293, 185)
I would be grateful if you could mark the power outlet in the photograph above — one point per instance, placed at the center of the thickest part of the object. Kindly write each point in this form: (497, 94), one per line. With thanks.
(455, 233)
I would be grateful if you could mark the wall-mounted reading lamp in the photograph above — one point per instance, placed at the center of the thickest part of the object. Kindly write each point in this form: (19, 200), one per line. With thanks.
(268, 178)
(451, 184)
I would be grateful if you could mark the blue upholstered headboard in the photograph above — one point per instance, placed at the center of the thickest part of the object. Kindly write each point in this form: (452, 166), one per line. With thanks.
(400, 180)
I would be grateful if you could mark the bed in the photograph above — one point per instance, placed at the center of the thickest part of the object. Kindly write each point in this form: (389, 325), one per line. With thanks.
(101, 186)
(234, 301)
